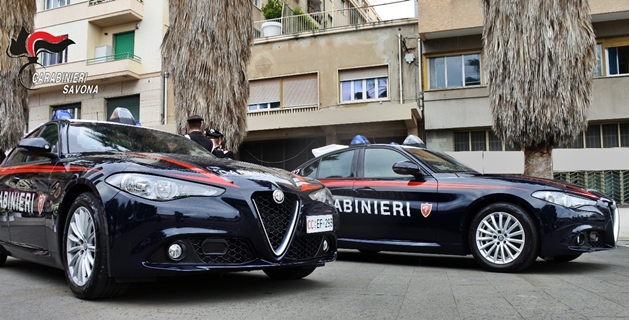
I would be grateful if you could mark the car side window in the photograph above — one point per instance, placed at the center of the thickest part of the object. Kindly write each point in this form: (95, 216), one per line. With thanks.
(379, 163)
(16, 157)
(338, 165)
(51, 133)
(311, 170)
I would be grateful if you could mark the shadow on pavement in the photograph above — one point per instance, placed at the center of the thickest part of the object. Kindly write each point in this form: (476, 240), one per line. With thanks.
(468, 263)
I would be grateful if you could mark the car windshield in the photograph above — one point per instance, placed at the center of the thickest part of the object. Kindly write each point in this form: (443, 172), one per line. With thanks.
(439, 161)
(109, 137)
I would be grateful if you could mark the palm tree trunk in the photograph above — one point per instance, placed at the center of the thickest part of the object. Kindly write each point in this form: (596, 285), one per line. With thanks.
(14, 15)
(207, 50)
(538, 162)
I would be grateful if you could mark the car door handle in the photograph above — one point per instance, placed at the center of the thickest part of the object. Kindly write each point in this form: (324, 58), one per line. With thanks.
(363, 189)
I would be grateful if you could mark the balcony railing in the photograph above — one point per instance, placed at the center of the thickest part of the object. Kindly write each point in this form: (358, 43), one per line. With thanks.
(93, 2)
(318, 21)
(282, 111)
(113, 57)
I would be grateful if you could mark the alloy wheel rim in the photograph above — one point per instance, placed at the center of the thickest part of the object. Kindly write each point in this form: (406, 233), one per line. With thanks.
(81, 246)
(500, 238)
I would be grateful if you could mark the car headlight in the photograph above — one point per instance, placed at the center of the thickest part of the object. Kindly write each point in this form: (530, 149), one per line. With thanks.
(323, 195)
(160, 188)
(563, 199)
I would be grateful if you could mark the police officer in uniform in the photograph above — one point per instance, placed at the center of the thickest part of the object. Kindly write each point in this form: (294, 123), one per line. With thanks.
(217, 140)
(195, 133)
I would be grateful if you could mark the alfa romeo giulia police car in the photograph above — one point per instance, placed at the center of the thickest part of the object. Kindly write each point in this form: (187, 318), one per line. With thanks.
(411, 199)
(112, 203)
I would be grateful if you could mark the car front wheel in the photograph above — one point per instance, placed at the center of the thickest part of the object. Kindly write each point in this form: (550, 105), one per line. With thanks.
(84, 251)
(503, 237)
(290, 273)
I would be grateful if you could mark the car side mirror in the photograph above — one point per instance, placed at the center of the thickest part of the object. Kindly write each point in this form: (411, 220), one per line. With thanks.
(407, 168)
(36, 147)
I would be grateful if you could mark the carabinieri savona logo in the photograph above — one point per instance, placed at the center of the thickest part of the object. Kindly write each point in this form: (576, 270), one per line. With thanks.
(31, 44)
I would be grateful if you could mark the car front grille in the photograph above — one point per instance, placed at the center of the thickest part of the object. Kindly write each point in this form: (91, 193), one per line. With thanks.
(238, 252)
(304, 247)
(278, 219)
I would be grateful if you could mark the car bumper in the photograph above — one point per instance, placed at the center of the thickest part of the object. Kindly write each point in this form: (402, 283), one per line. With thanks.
(217, 235)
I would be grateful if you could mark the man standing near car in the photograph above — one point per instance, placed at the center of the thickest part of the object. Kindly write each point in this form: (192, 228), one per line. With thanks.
(217, 140)
(195, 133)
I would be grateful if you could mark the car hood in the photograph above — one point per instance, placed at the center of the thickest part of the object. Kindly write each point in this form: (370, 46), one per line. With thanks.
(217, 171)
(534, 183)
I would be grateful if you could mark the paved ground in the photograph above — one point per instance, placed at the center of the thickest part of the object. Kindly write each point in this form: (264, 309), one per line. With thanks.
(382, 286)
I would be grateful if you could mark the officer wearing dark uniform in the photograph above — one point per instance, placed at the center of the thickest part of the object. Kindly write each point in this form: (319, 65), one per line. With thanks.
(195, 133)
(217, 140)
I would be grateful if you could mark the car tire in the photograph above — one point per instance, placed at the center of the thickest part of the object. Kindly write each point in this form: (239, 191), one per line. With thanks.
(85, 251)
(504, 238)
(3, 259)
(290, 273)
(562, 258)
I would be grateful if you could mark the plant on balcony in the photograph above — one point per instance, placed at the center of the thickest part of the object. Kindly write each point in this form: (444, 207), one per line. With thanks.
(303, 21)
(273, 9)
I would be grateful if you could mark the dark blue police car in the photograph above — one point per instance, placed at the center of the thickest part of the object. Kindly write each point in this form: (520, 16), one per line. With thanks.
(113, 203)
(408, 198)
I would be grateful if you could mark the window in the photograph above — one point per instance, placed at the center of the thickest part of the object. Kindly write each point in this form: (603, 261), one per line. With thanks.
(256, 3)
(51, 4)
(264, 106)
(364, 84)
(454, 71)
(612, 57)
(598, 70)
(49, 59)
(338, 165)
(618, 60)
(379, 163)
(50, 133)
(480, 141)
(610, 135)
(286, 92)
(74, 109)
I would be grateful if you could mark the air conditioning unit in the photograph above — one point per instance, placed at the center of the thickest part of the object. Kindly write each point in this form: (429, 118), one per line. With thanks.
(102, 51)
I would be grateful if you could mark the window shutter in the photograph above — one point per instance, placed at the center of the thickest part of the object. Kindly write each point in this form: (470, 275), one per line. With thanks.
(300, 91)
(364, 73)
(264, 91)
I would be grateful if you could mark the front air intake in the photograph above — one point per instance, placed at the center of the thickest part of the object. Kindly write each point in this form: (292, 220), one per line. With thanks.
(278, 219)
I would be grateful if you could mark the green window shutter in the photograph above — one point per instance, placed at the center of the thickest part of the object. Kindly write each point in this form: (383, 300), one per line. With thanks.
(124, 45)
(130, 102)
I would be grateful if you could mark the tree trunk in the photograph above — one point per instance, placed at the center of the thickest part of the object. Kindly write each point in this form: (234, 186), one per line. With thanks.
(538, 162)
(14, 15)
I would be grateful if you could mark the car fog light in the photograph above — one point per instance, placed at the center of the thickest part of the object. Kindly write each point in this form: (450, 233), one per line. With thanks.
(177, 251)
(593, 237)
(326, 246)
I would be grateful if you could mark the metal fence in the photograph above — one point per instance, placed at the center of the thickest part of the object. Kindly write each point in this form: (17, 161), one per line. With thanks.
(317, 21)
(614, 183)
(118, 56)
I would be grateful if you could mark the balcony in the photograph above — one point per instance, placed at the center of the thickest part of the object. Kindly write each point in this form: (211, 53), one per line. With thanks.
(318, 21)
(106, 13)
(102, 70)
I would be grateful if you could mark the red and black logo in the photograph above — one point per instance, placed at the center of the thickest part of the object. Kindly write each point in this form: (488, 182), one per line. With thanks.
(30, 45)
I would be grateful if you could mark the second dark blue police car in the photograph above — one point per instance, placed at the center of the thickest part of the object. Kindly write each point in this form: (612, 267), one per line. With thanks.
(408, 198)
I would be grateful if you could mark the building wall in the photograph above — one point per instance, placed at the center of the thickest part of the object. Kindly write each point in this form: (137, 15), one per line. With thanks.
(73, 20)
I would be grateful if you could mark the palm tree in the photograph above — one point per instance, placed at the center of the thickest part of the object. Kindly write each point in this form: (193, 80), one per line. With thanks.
(539, 57)
(207, 50)
(14, 15)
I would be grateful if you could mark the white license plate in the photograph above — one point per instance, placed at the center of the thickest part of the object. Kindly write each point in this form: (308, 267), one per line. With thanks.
(316, 224)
